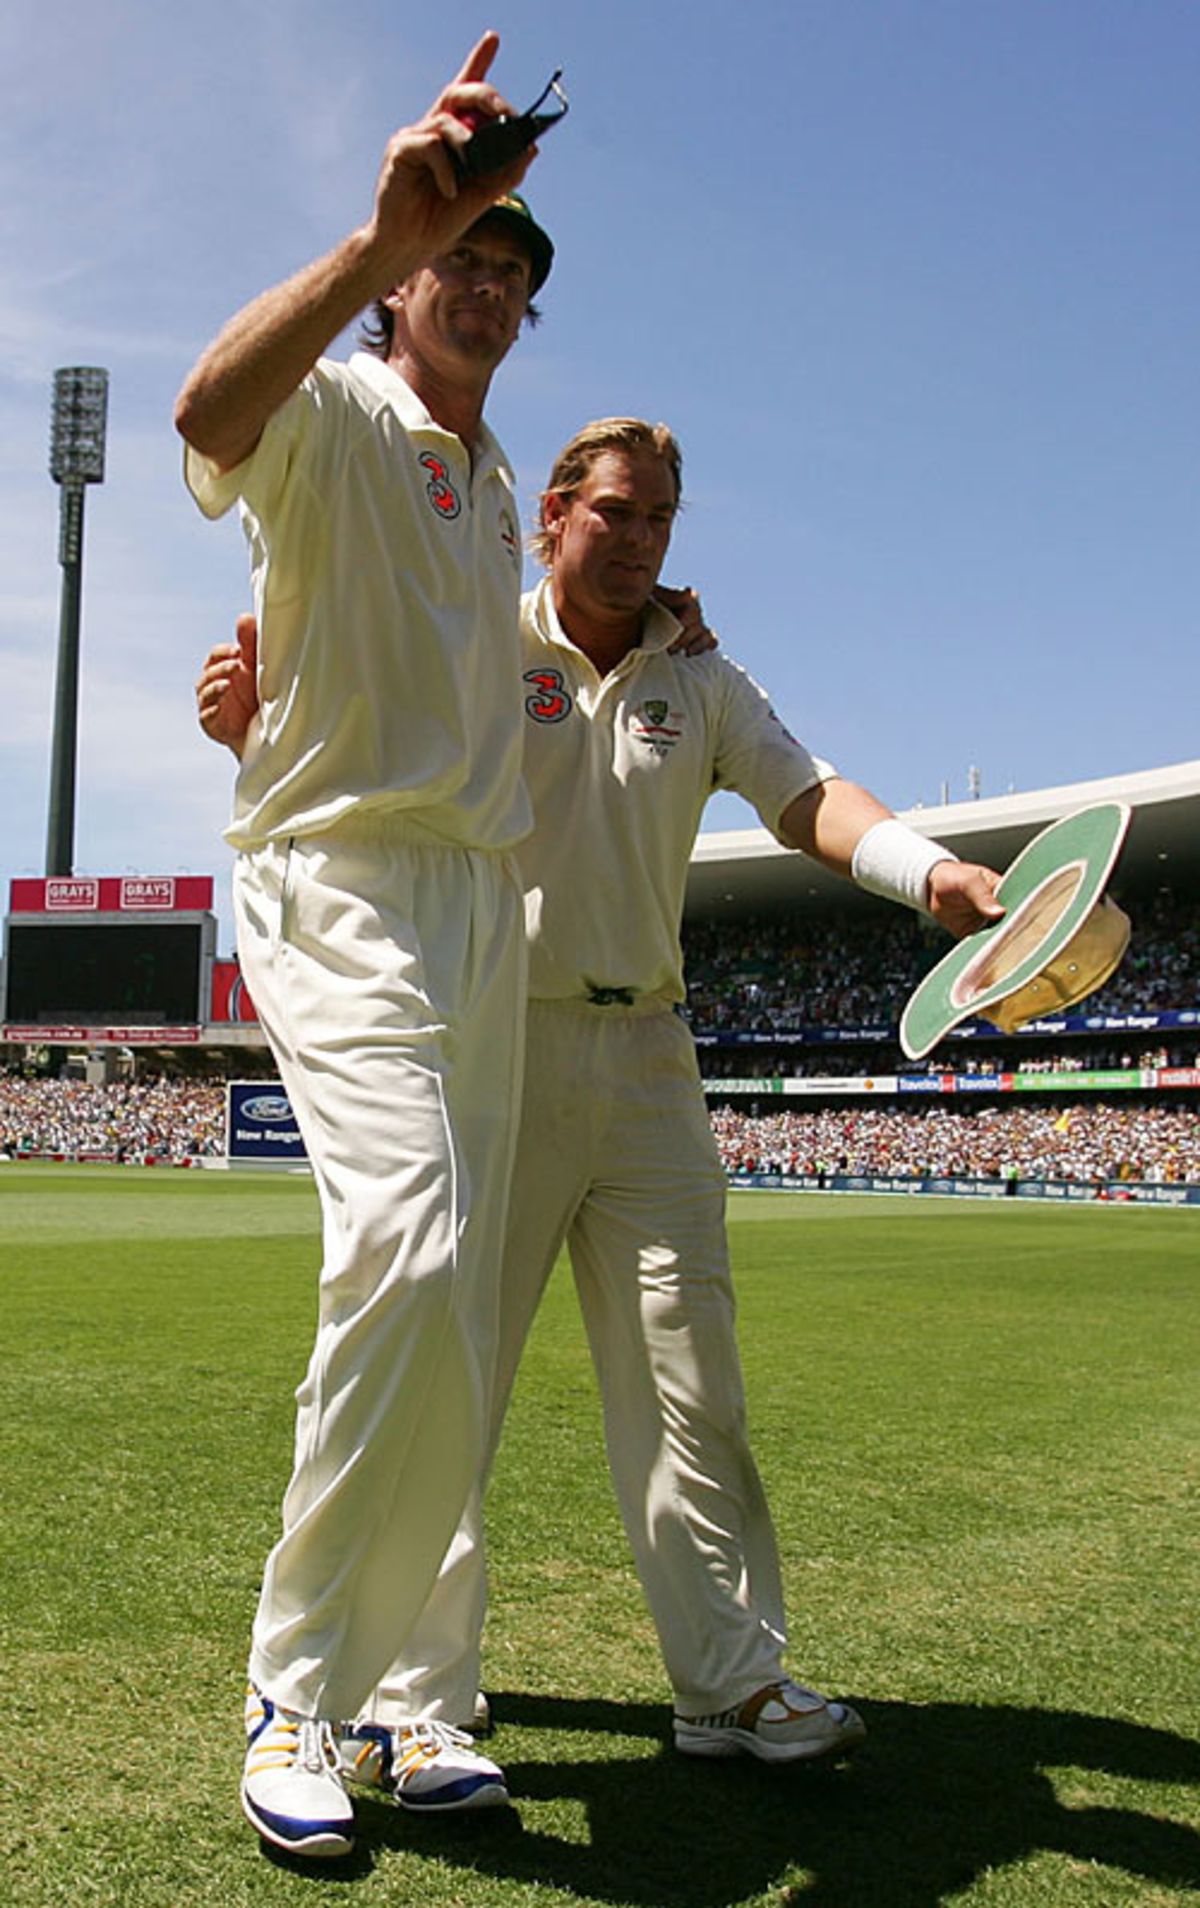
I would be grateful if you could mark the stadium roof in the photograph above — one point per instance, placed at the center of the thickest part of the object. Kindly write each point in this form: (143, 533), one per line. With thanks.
(746, 870)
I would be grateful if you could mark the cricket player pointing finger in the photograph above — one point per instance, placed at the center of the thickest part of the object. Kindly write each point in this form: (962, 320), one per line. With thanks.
(378, 903)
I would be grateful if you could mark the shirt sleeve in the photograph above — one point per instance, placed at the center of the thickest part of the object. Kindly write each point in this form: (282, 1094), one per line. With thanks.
(755, 755)
(261, 479)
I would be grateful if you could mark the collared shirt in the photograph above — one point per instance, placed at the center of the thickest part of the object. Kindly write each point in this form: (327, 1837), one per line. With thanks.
(619, 768)
(386, 571)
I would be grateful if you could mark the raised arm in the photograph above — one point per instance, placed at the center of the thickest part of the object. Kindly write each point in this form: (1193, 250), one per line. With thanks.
(420, 210)
(845, 828)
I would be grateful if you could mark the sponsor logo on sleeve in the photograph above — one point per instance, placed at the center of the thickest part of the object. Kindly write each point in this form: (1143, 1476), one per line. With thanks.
(782, 726)
(509, 536)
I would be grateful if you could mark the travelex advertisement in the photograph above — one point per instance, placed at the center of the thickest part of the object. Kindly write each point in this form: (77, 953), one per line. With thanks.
(260, 1124)
(826, 1086)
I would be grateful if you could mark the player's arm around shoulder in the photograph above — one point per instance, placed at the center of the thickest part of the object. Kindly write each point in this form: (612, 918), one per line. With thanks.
(695, 637)
(227, 688)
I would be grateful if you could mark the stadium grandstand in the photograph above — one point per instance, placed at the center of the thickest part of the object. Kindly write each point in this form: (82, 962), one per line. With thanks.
(796, 983)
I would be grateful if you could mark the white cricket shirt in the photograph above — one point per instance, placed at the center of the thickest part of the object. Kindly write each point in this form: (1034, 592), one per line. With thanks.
(619, 769)
(386, 572)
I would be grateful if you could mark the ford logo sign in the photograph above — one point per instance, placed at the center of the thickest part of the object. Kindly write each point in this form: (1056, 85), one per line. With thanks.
(267, 1107)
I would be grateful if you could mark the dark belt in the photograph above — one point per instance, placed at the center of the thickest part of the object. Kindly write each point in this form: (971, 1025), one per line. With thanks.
(611, 996)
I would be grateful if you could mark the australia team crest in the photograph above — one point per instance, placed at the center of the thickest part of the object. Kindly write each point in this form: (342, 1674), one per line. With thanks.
(656, 725)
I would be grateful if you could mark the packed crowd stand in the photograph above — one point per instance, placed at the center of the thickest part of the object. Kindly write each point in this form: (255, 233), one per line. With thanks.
(775, 976)
(788, 973)
(157, 1118)
(174, 1120)
(1152, 1144)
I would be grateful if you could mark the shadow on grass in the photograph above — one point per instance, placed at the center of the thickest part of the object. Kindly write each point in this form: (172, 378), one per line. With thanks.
(938, 1794)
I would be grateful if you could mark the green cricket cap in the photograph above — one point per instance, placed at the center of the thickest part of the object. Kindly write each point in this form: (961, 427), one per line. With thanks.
(513, 212)
(1059, 939)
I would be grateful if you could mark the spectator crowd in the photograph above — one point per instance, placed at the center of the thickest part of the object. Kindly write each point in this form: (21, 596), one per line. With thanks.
(787, 973)
(156, 1118)
(174, 1120)
(1157, 1144)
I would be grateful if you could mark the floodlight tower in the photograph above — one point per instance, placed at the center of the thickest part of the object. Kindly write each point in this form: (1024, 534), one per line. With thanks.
(76, 459)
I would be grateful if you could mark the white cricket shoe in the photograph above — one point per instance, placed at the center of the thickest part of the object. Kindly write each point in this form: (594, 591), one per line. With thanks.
(292, 1792)
(424, 1765)
(781, 1723)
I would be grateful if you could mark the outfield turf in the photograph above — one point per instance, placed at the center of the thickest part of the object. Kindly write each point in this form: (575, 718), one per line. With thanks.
(979, 1427)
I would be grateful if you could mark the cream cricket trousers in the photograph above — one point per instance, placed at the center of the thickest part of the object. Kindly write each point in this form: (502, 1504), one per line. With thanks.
(616, 1158)
(388, 972)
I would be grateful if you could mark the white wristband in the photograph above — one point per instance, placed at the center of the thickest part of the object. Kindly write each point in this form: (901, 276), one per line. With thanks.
(893, 860)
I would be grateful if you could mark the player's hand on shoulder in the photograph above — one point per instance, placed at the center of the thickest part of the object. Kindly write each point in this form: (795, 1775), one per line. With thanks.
(227, 689)
(962, 897)
(695, 637)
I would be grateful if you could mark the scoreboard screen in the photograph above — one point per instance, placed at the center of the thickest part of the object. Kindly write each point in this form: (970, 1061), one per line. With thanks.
(128, 972)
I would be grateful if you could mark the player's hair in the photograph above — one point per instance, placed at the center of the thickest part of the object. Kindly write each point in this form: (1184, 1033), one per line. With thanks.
(377, 327)
(575, 460)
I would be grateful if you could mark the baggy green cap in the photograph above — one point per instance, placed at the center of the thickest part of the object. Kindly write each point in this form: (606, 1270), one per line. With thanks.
(1059, 940)
(513, 212)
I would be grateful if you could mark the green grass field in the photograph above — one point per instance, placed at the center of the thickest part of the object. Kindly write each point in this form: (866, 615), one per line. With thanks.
(979, 1426)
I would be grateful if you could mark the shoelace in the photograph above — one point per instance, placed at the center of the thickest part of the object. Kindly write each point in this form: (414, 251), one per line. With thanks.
(436, 1735)
(314, 1748)
(296, 1740)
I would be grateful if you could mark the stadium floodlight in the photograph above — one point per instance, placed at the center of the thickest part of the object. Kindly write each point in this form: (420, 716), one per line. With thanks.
(77, 425)
(77, 434)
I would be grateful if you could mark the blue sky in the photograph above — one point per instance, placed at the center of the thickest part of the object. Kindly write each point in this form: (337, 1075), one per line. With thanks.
(915, 281)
